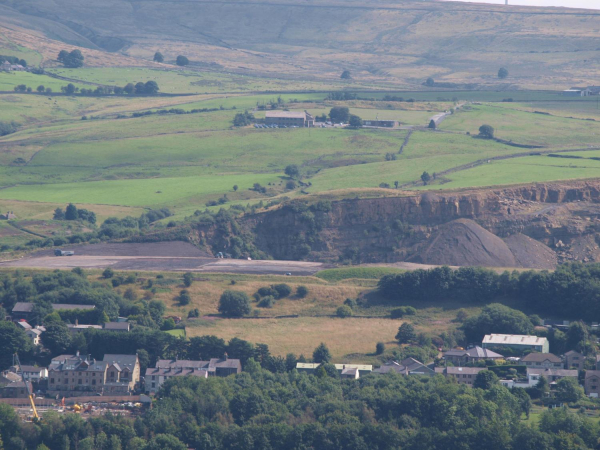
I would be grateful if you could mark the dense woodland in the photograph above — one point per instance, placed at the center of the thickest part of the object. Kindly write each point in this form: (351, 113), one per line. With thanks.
(572, 291)
(262, 410)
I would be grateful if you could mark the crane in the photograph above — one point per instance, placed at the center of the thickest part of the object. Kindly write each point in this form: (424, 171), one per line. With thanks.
(28, 386)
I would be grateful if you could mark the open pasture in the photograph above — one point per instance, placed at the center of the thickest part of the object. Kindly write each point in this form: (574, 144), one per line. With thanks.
(8, 81)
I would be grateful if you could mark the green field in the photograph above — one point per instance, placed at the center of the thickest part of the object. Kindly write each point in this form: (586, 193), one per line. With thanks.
(348, 273)
(8, 81)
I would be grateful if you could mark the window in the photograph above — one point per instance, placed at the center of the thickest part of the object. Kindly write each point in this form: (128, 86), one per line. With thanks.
(94, 382)
(52, 380)
(153, 385)
(79, 381)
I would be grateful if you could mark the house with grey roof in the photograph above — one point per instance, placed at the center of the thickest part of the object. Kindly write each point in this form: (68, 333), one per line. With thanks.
(553, 375)
(155, 377)
(517, 342)
(574, 360)
(462, 375)
(460, 356)
(117, 326)
(220, 367)
(408, 366)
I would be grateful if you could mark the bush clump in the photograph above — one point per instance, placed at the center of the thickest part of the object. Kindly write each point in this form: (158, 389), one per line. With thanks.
(402, 311)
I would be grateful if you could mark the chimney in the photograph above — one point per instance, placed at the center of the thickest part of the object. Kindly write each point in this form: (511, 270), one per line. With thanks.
(77, 354)
(226, 356)
(76, 322)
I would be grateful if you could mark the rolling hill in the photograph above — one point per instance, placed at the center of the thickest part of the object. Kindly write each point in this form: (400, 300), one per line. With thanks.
(396, 44)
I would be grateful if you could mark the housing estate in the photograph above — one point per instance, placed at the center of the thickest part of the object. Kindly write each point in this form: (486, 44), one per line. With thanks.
(545, 360)
(75, 375)
(520, 343)
(459, 356)
(289, 119)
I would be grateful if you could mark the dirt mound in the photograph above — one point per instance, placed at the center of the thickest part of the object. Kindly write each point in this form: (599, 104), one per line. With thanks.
(464, 243)
(164, 249)
(530, 253)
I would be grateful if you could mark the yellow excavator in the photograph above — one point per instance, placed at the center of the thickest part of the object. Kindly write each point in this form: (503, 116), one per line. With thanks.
(28, 386)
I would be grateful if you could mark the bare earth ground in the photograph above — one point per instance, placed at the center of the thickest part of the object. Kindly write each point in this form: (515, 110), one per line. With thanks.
(162, 256)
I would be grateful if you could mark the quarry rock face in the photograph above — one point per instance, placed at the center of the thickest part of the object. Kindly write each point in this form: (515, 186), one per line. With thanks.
(511, 227)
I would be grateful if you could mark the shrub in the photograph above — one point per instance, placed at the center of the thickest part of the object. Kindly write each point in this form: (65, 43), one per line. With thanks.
(267, 302)
(234, 304)
(350, 302)
(301, 291)
(402, 311)
(108, 273)
(188, 279)
(283, 290)
(184, 298)
(266, 291)
(193, 313)
(344, 311)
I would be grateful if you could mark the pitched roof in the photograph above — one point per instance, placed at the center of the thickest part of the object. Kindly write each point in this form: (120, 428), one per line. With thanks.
(552, 372)
(67, 306)
(474, 352)
(592, 373)
(572, 352)
(211, 366)
(22, 307)
(286, 114)
(463, 370)
(176, 372)
(363, 367)
(24, 325)
(117, 326)
(541, 357)
(121, 361)
(513, 339)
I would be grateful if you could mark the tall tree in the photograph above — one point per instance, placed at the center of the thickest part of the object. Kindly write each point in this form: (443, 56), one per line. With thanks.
(71, 212)
(321, 354)
(158, 57)
(182, 61)
(502, 73)
(12, 340)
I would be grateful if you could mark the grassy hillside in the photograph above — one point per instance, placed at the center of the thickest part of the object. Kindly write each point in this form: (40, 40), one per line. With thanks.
(380, 42)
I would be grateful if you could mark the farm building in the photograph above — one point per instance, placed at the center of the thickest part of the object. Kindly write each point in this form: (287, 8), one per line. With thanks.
(516, 342)
(8, 216)
(577, 92)
(289, 119)
(380, 123)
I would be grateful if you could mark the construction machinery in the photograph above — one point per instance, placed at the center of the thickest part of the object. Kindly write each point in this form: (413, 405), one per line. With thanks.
(28, 386)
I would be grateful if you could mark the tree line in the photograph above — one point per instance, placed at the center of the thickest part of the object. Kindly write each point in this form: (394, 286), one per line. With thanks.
(259, 409)
(572, 291)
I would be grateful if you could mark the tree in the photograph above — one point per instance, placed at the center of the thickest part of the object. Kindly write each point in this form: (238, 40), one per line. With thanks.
(344, 311)
(426, 178)
(140, 88)
(321, 354)
(72, 60)
(283, 290)
(301, 291)
(502, 73)
(485, 380)
(129, 88)
(182, 61)
(69, 89)
(355, 121)
(430, 82)
(41, 89)
(346, 75)
(188, 279)
(406, 333)
(496, 318)
(184, 298)
(292, 171)
(234, 304)
(486, 132)
(59, 214)
(151, 87)
(158, 57)
(379, 348)
(12, 340)
(165, 442)
(57, 338)
(339, 114)
(568, 390)
(235, 188)
(62, 55)
(108, 273)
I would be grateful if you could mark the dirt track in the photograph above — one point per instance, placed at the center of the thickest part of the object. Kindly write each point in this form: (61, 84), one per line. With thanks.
(164, 256)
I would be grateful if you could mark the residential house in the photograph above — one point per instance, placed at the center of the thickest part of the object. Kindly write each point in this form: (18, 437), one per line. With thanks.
(350, 373)
(516, 342)
(7, 377)
(5, 66)
(117, 326)
(408, 366)
(461, 356)
(574, 360)
(154, 377)
(597, 362)
(215, 367)
(8, 216)
(553, 375)
(30, 373)
(577, 92)
(23, 325)
(74, 375)
(531, 380)
(462, 375)
(35, 335)
(289, 119)
(361, 369)
(76, 327)
(309, 368)
(18, 389)
(545, 360)
(592, 383)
